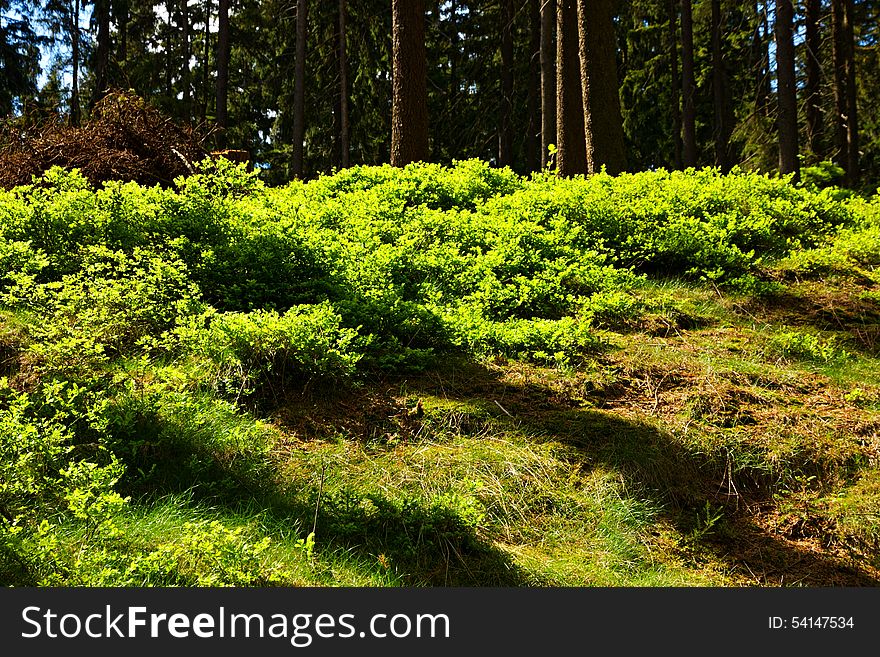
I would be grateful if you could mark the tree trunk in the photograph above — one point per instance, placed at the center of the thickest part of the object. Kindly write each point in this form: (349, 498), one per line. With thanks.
(603, 125)
(102, 51)
(344, 123)
(571, 155)
(758, 59)
(120, 15)
(299, 89)
(409, 106)
(206, 101)
(454, 84)
(74, 56)
(785, 89)
(548, 79)
(688, 86)
(845, 120)
(852, 125)
(169, 50)
(676, 85)
(533, 139)
(814, 77)
(767, 85)
(840, 109)
(719, 91)
(505, 134)
(185, 76)
(222, 72)
(846, 136)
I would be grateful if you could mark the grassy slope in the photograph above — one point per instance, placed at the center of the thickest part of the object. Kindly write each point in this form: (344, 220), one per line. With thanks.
(680, 456)
(713, 438)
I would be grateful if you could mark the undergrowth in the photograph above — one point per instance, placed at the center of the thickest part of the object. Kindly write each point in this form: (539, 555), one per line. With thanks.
(438, 376)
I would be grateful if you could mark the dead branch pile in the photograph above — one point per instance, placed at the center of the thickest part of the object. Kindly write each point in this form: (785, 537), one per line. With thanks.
(125, 139)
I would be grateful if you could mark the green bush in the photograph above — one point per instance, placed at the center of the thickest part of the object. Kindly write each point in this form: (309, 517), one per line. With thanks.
(207, 553)
(32, 453)
(305, 341)
(797, 345)
(416, 260)
(114, 305)
(822, 174)
(849, 251)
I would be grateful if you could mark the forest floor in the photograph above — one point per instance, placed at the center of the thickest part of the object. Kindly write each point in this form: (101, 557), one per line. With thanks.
(693, 450)
(439, 376)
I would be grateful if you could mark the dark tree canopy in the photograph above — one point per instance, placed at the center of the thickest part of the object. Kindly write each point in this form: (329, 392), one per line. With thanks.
(304, 87)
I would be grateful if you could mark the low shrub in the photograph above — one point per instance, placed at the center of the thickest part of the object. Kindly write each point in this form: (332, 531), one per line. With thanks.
(306, 341)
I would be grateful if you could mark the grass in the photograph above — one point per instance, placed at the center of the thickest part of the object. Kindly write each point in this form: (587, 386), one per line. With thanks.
(692, 451)
(676, 434)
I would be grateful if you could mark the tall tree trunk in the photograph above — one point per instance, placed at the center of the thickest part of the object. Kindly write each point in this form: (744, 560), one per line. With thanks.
(505, 131)
(846, 120)
(676, 85)
(571, 155)
(169, 50)
(814, 77)
(603, 125)
(453, 54)
(719, 91)
(533, 138)
(344, 124)
(758, 57)
(222, 72)
(688, 86)
(409, 105)
(120, 16)
(846, 136)
(548, 79)
(299, 89)
(767, 87)
(852, 124)
(102, 51)
(74, 55)
(185, 75)
(785, 89)
(206, 100)
(841, 155)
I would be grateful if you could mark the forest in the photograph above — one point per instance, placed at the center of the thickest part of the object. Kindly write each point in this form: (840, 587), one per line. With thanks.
(308, 87)
(506, 293)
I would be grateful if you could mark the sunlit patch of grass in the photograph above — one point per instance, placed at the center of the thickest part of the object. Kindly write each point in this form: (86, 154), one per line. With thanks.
(855, 373)
(558, 518)
(178, 541)
(673, 305)
(288, 555)
(855, 512)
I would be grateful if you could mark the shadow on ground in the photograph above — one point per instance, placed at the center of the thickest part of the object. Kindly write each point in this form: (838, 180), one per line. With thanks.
(657, 466)
(841, 309)
(421, 544)
(432, 544)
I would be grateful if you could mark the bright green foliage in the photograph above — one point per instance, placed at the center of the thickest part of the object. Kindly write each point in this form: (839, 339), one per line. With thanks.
(207, 554)
(398, 253)
(245, 347)
(416, 260)
(143, 328)
(849, 251)
(32, 452)
(115, 304)
(799, 345)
